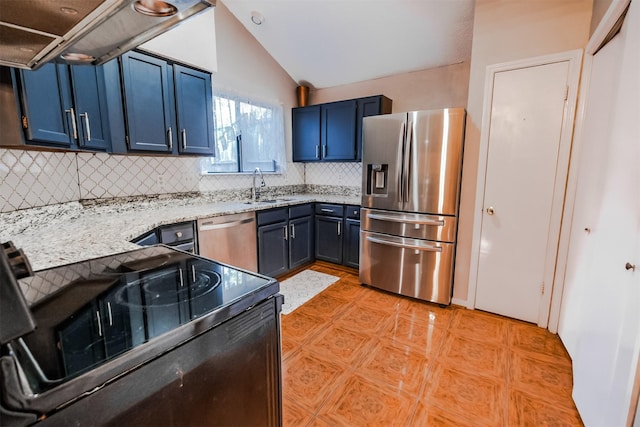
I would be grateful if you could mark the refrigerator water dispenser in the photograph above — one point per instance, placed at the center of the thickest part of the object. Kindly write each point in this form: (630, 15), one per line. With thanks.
(377, 178)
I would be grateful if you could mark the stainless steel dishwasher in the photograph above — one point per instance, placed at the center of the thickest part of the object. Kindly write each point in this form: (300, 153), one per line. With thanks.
(230, 239)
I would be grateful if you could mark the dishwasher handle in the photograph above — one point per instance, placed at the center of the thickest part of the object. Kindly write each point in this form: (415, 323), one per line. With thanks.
(211, 225)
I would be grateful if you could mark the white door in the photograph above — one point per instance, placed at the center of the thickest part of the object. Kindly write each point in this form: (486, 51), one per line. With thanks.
(600, 318)
(520, 219)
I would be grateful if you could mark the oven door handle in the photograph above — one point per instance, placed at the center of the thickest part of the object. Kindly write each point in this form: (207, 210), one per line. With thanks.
(391, 218)
(419, 247)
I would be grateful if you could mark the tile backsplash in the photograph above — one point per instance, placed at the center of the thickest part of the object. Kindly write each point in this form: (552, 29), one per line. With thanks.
(40, 178)
(36, 178)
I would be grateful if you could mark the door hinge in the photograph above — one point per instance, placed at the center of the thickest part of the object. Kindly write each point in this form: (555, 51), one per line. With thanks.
(25, 122)
(542, 288)
(566, 92)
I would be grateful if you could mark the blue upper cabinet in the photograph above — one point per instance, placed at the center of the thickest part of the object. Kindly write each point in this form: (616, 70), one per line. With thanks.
(369, 106)
(338, 135)
(306, 133)
(148, 99)
(333, 131)
(168, 106)
(194, 110)
(90, 100)
(65, 106)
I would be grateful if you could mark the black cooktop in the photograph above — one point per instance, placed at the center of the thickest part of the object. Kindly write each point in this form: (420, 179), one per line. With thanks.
(103, 309)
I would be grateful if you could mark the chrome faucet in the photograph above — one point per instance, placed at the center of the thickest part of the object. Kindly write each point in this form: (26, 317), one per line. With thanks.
(255, 190)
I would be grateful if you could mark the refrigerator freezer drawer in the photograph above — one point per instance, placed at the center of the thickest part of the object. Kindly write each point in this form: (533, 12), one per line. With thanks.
(416, 268)
(406, 224)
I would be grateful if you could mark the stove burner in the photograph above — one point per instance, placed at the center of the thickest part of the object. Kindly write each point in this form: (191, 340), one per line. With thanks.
(168, 288)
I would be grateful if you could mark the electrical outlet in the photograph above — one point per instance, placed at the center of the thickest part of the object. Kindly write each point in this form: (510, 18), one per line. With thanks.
(160, 180)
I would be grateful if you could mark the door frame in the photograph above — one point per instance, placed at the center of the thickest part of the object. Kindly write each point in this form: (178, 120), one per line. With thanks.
(574, 57)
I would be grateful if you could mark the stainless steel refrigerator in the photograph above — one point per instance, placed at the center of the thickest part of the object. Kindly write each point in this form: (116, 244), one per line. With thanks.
(411, 167)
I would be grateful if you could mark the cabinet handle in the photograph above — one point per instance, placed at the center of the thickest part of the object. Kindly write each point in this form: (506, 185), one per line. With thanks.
(324, 151)
(110, 314)
(181, 278)
(339, 228)
(170, 145)
(184, 139)
(286, 233)
(99, 323)
(317, 151)
(73, 122)
(293, 231)
(178, 234)
(86, 125)
(193, 273)
(326, 210)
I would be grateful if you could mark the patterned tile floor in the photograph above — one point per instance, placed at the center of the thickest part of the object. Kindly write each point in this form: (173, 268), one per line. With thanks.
(356, 356)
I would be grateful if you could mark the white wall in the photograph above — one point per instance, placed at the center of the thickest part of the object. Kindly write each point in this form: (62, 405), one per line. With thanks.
(245, 67)
(192, 42)
(507, 30)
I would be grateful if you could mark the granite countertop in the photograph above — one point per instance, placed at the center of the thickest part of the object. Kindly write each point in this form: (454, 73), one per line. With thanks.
(61, 234)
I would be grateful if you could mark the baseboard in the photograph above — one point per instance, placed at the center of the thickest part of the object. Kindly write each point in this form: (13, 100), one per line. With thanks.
(460, 302)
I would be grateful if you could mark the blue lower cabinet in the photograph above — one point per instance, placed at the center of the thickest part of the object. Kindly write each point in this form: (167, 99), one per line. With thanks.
(329, 238)
(300, 241)
(285, 239)
(273, 249)
(351, 249)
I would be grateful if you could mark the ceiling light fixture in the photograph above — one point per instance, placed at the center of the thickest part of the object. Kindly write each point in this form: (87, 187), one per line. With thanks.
(77, 57)
(257, 18)
(155, 8)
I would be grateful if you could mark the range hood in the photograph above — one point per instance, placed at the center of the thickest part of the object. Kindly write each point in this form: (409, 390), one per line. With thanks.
(33, 32)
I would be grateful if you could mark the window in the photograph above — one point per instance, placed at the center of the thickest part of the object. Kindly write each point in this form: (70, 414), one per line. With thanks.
(248, 134)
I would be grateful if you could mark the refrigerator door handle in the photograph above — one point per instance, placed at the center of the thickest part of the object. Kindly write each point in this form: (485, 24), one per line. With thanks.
(418, 247)
(408, 156)
(391, 218)
(400, 160)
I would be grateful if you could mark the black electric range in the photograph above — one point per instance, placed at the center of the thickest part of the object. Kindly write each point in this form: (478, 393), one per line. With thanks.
(104, 317)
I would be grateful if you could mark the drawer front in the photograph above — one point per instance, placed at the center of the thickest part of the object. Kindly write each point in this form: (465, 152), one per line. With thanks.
(353, 212)
(176, 233)
(298, 211)
(272, 216)
(329, 209)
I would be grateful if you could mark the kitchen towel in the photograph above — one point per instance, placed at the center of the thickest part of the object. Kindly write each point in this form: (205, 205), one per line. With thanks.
(302, 287)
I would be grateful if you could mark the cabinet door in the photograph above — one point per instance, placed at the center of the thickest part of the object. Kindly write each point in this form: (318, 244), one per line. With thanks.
(163, 293)
(90, 100)
(306, 133)
(148, 90)
(300, 241)
(329, 239)
(273, 249)
(116, 325)
(47, 105)
(194, 110)
(369, 106)
(351, 243)
(339, 131)
(81, 341)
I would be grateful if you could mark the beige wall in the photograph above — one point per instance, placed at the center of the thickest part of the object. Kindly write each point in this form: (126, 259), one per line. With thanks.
(420, 90)
(508, 30)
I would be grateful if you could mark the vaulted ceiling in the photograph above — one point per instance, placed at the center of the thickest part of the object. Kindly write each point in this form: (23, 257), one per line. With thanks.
(326, 43)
